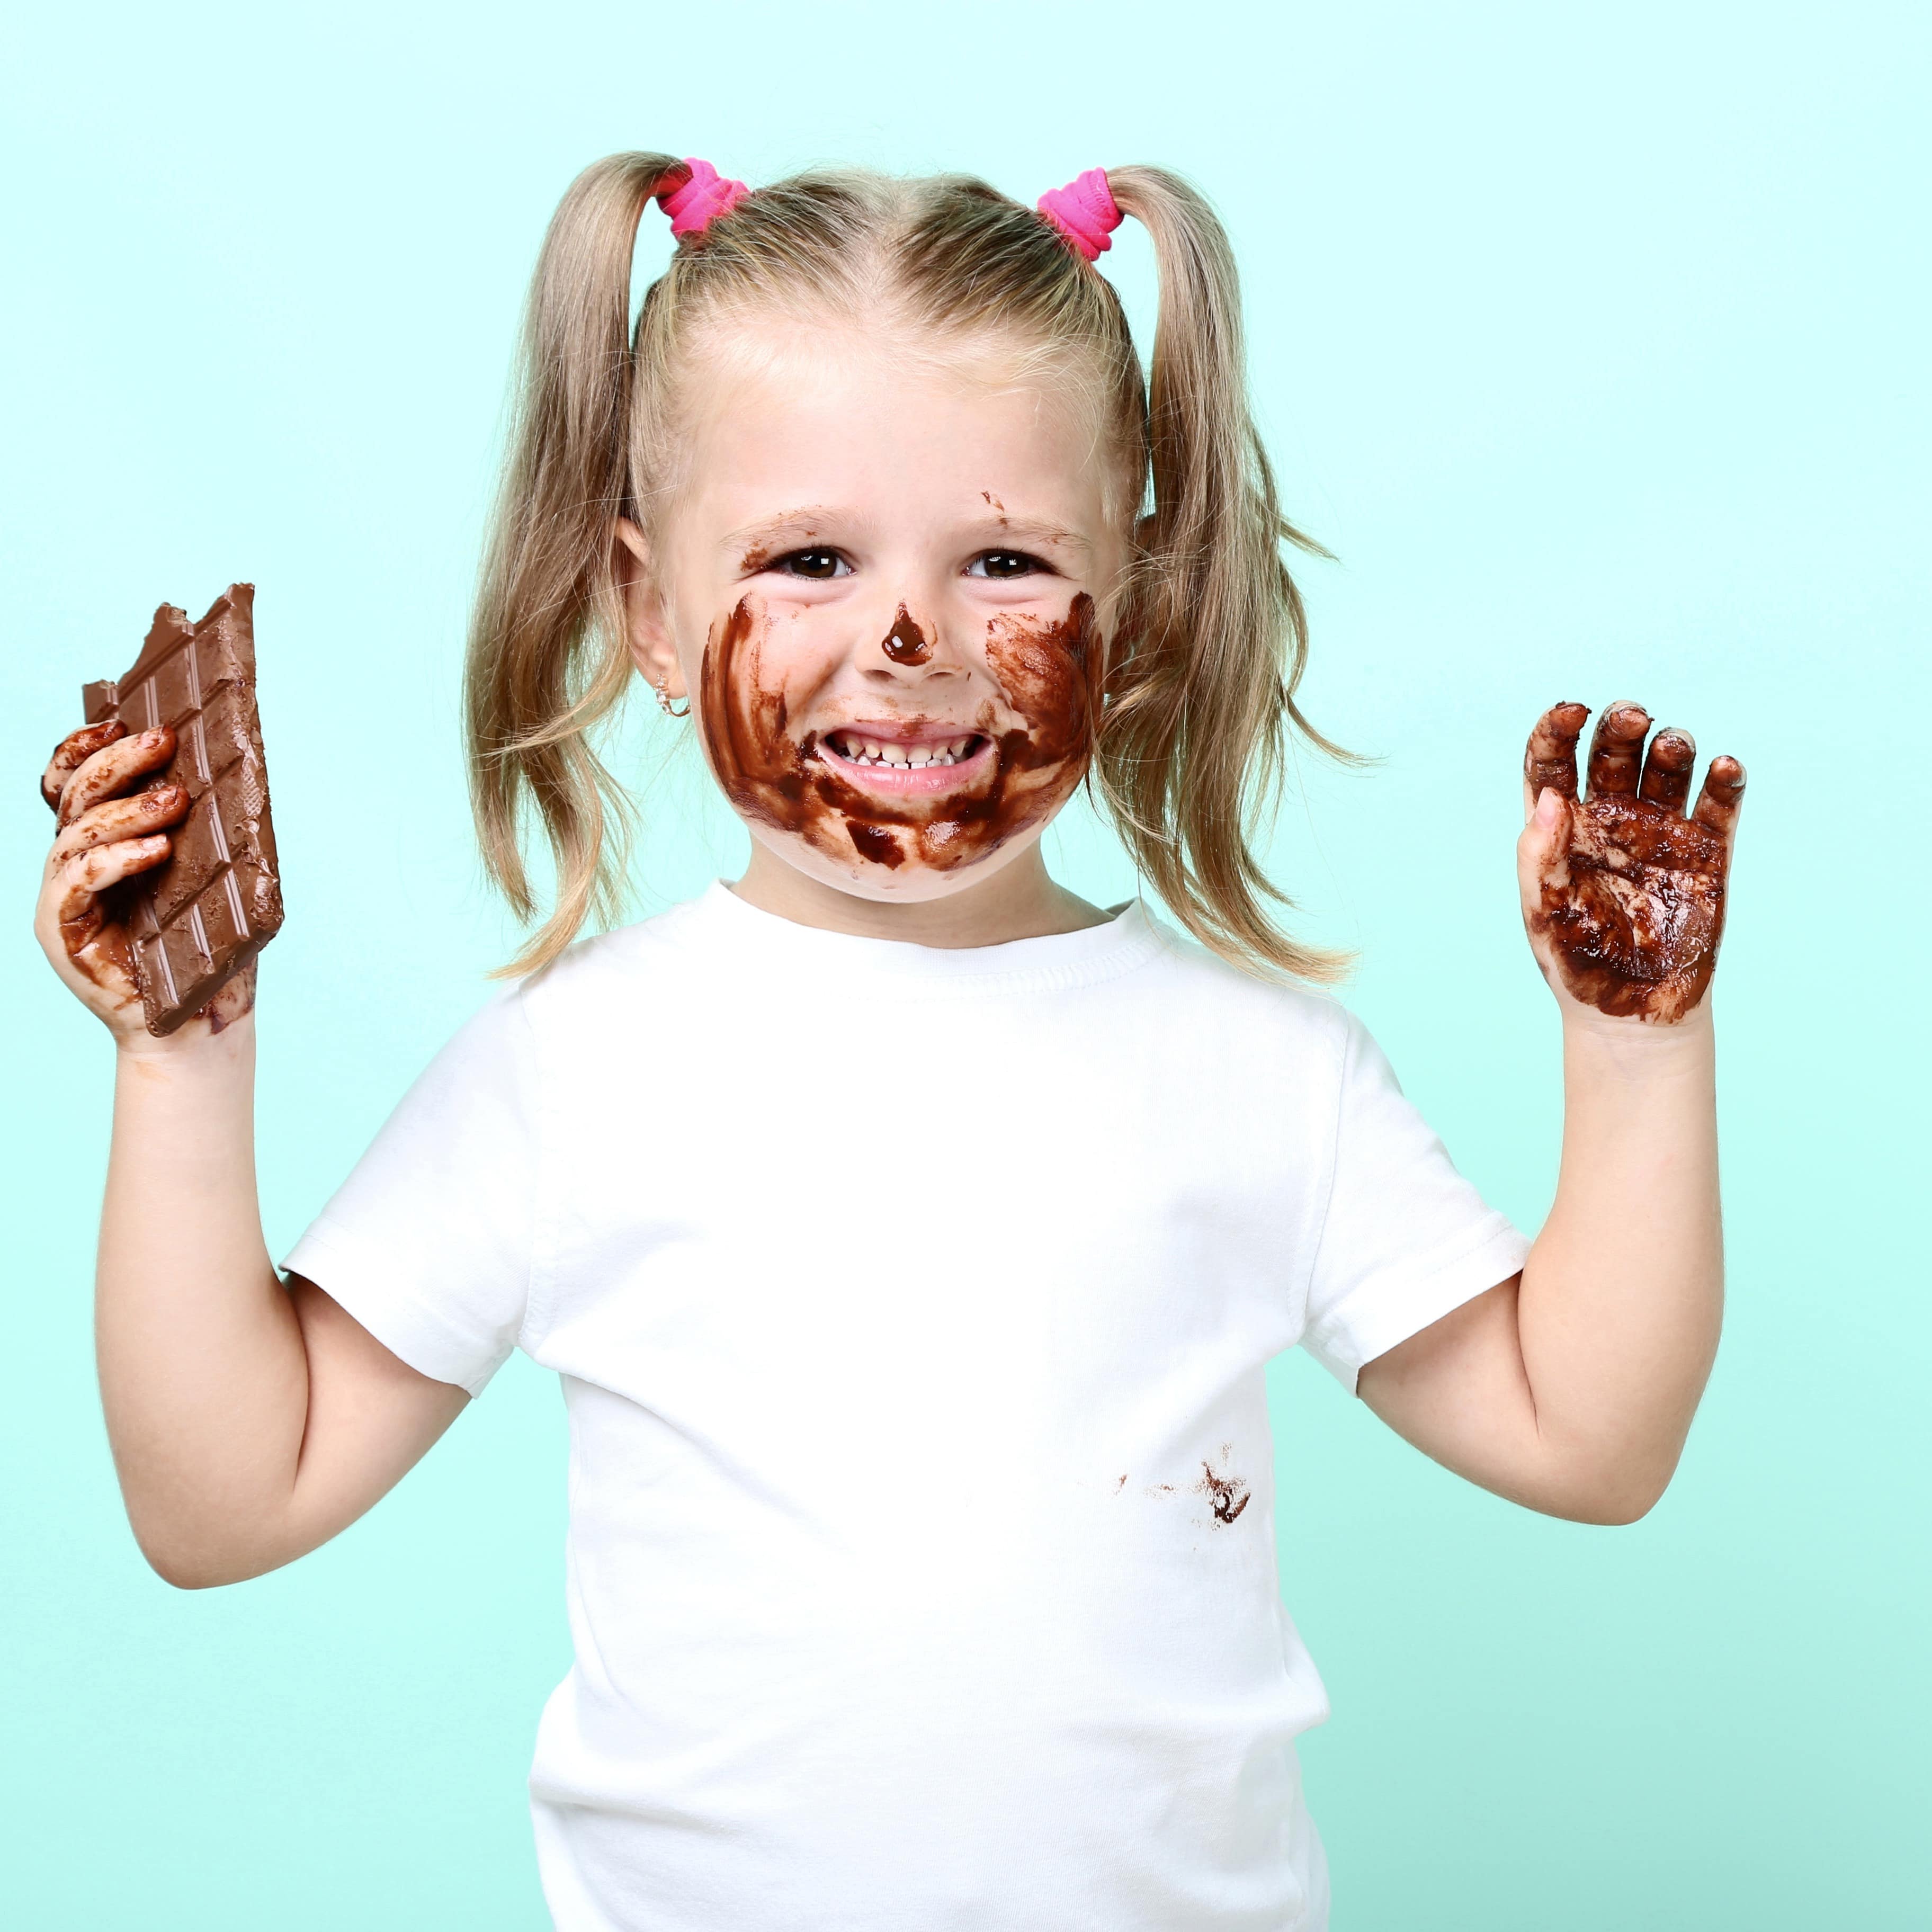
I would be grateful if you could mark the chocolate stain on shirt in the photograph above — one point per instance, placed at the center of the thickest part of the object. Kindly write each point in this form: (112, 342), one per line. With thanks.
(1227, 1496)
(1048, 673)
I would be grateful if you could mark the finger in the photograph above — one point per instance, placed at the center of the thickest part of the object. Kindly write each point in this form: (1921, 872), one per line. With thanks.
(84, 877)
(73, 751)
(1550, 762)
(1542, 851)
(131, 817)
(1616, 751)
(1723, 797)
(107, 866)
(115, 768)
(1667, 767)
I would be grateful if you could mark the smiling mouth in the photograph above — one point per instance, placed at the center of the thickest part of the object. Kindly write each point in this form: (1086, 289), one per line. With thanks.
(856, 747)
(924, 766)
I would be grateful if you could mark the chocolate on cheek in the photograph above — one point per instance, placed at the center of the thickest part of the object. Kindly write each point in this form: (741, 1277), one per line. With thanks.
(1048, 674)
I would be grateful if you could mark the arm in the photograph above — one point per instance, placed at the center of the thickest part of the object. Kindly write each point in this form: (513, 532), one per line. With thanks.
(249, 1422)
(1570, 1388)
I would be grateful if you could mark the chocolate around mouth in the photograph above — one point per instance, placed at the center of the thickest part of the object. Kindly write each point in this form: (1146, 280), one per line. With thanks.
(1048, 676)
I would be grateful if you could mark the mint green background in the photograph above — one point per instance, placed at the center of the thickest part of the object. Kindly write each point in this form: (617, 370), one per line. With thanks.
(1593, 341)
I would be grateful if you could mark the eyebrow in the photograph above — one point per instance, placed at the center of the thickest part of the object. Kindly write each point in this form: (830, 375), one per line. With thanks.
(1011, 533)
(789, 528)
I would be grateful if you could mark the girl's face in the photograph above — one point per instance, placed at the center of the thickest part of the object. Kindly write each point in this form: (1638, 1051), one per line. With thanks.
(883, 580)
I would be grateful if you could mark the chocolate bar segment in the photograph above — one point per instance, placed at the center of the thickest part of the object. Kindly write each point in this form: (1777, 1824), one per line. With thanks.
(197, 919)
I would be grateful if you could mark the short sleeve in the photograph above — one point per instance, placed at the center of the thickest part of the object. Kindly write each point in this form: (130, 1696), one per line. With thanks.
(1406, 1239)
(428, 1243)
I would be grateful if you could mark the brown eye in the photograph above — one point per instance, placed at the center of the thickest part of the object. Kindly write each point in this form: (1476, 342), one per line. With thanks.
(818, 564)
(1004, 563)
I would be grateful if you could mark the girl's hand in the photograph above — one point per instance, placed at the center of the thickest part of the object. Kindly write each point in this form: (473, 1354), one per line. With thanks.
(108, 832)
(1622, 894)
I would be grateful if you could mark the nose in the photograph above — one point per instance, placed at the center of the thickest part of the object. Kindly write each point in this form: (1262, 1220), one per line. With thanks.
(905, 643)
(912, 651)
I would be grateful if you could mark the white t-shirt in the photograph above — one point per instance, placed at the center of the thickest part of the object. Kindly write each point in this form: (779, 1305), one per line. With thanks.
(911, 1307)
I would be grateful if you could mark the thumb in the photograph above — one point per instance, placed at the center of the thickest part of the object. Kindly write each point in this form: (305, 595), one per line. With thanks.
(1542, 853)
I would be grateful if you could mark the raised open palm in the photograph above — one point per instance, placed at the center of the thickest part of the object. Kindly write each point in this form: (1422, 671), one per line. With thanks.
(1623, 893)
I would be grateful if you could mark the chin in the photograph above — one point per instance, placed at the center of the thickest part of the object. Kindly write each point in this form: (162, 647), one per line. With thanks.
(911, 882)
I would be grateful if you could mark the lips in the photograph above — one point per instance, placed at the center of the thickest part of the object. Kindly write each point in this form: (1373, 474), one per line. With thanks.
(899, 763)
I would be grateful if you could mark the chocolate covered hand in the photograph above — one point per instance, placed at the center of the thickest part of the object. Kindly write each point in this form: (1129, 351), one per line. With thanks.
(1622, 893)
(109, 831)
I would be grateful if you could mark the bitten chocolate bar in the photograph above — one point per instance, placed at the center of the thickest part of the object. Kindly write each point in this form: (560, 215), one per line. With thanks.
(199, 917)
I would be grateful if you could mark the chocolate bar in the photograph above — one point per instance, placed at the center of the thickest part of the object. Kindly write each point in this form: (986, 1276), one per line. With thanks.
(199, 917)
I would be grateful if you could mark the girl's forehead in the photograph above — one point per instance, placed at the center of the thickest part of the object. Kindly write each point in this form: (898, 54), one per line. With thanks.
(821, 414)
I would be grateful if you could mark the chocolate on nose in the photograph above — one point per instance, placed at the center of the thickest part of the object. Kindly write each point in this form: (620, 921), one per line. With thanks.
(905, 643)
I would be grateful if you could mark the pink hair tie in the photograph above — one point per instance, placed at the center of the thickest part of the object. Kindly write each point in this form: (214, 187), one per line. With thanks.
(1084, 211)
(693, 204)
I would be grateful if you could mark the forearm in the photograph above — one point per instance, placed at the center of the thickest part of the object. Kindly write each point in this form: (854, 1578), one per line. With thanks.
(1621, 1298)
(204, 1375)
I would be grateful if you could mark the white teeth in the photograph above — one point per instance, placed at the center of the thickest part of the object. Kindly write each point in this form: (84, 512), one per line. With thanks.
(897, 753)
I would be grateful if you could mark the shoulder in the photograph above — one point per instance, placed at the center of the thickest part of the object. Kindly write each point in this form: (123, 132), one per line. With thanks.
(1199, 983)
(614, 966)
(600, 987)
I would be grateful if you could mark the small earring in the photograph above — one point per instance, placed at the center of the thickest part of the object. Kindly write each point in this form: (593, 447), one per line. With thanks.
(664, 699)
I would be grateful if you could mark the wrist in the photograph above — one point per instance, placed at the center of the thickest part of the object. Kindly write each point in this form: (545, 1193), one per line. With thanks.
(1637, 1048)
(194, 1044)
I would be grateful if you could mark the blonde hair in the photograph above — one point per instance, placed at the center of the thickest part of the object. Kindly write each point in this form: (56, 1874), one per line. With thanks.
(1210, 637)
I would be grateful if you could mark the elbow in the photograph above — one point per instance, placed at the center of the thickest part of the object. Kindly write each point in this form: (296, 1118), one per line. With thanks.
(1614, 1498)
(185, 1563)
(192, 1570)
(1614, 1512)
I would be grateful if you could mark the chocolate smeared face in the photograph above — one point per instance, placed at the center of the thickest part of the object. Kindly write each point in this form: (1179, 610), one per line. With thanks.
(883, 580)
(953, 772)
(1629, 906)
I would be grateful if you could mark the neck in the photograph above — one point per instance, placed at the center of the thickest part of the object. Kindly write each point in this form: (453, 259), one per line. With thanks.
(1018, 901)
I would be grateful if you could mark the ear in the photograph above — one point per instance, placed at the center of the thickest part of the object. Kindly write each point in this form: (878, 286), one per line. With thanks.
(646, 632)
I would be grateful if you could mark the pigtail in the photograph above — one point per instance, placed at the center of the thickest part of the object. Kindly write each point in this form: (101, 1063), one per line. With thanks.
(547, 657)
(1192, 748)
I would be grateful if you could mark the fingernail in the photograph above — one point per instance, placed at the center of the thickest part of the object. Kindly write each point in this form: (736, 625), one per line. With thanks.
(1546, 807)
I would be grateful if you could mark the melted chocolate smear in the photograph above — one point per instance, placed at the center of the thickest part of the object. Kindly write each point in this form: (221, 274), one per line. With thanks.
(905, 643)
(871, 842)
(1228, 1495)
(1048, 674)
(1633, 907)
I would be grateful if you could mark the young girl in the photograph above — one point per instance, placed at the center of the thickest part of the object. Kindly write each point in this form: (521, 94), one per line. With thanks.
(909, 1235)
